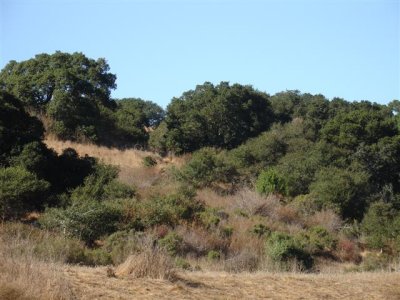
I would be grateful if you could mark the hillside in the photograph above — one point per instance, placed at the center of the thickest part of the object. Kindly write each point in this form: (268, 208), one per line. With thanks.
(129, 160)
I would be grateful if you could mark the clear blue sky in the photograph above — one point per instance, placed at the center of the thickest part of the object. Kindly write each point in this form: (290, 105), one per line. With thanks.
(159, 49)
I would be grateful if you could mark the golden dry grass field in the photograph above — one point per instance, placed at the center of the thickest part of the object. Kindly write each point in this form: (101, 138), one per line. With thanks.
(93, 283)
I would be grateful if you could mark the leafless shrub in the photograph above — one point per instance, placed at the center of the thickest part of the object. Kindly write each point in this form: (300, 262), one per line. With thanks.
(244, 261)
(253, 203)
(326, 218)
(198, 241)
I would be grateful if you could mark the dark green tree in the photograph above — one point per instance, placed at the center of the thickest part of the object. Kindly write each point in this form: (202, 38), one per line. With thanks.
(17, 128)
(221, 116)
(71, 88)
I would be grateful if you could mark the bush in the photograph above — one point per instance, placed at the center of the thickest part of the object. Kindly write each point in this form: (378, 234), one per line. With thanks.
(260, 230)
(316, 239)
(209, 218)
(88, 221)
(149, 161)
(20, 191)
(170, 209)
(172, 243)
(245, 261)
(120, 245)
(213, 255)
(282, 247)
(97, 257)
(381, 226)
(182, 263)
(207, 167)
(342, 190)
(269, 181)
(102, 185)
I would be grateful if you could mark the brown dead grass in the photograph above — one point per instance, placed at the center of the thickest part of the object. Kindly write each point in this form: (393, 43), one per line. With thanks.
(129, 161)
(24, 276)
(93, 283)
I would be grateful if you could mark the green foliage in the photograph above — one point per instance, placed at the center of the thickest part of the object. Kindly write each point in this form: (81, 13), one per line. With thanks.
(221, 116)
(213, 255)
(209, 217)
(170, 209)
(71, 87)
(375, 262)
(120, 245)
(20, 191)
(149, 161)
(281, 247)
(17, 128)
(342, 190)
(226, 231)
(381, 226)
(158, 139)
(316, 239)
(182, 263)
(364, 125)
(260, 230)
(381, 161)
(132, 117)
(269, 181)
(172, 243)
(102, 185)
(259, 153)
(299, 166)
(87, 221)
(206, 167)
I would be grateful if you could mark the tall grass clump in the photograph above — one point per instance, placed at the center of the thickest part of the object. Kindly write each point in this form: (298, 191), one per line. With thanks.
(23, 275)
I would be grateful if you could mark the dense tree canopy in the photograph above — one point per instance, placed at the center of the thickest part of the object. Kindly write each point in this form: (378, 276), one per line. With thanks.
(220, 116)
(71, 89)
(39, 80)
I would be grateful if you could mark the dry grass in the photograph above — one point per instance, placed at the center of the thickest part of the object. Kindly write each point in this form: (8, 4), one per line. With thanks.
(24, 276)
(93, 283)
(129, 161)
(151, 262)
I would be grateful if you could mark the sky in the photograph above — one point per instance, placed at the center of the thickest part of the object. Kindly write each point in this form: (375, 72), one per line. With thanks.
(159, 49)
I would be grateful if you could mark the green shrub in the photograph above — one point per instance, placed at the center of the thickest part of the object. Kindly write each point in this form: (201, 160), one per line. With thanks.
(206, 167)
(260, 230)
(226, 231)
(149, 161)
(88, 221)
(341, 190)
(269, 181)
(182, 263)
(213, 255)
(120, 245)
(375, 262)
(170, 209)
(97, 257)
(316, 239)
(381, 226)
(209, 217)
(102, 185)
(20, 191)
(281, 247)
(64, 249)
(172, 243)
